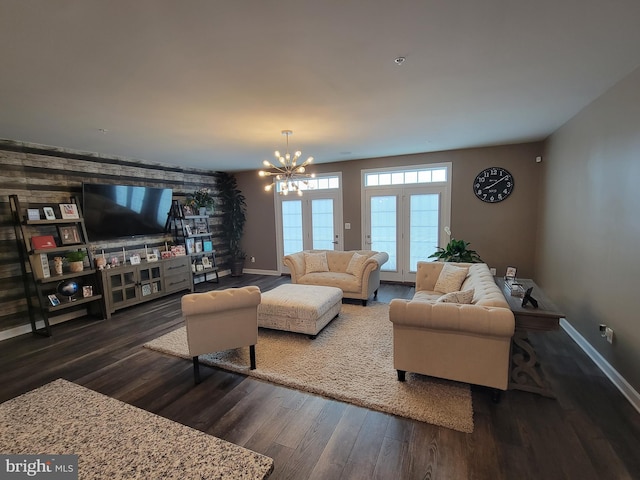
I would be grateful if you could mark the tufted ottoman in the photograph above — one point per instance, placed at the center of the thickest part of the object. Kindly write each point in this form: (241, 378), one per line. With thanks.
(299, 308)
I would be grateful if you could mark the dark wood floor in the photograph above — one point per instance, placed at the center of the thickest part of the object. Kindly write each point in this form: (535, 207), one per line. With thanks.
(589, 432)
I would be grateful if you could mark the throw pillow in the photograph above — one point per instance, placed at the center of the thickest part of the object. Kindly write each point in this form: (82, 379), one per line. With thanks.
(356, 263)
(316, 262)
(450, 279)
(466, 296)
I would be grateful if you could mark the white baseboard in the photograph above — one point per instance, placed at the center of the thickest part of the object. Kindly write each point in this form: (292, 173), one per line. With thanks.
(22, 329)
(612, 374)
(256, 271)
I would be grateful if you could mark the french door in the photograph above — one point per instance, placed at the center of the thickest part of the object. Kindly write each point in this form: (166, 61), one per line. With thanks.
(408, 223)
(312, 221)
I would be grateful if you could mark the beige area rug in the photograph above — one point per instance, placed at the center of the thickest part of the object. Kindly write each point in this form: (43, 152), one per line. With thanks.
(350, 360)
(115, 440)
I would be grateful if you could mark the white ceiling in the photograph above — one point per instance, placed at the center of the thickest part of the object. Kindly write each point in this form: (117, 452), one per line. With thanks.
(210, 84)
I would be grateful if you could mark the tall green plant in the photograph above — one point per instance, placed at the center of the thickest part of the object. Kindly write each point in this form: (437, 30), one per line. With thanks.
(234, 212)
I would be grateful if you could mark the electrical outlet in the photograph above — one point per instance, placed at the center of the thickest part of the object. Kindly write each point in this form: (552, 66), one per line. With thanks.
(609, 334)
(253, 259)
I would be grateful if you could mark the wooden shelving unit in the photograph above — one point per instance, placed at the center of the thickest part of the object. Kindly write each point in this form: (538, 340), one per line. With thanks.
(38, 270)
(194, 232)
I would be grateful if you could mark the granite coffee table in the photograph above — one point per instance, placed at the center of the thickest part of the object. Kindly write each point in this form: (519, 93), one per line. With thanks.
(299, 308)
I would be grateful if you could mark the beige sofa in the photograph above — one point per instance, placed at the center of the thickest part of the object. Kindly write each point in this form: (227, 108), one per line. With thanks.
(463, 342)
(358, 282)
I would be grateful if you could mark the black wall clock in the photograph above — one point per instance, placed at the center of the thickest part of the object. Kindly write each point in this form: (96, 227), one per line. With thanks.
(493, 185)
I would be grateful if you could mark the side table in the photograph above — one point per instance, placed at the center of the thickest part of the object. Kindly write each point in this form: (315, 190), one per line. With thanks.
(524, 373)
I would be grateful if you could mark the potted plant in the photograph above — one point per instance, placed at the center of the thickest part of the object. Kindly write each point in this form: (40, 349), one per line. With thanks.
(76, 260)
(456, 251)
(201, 200)
(234, 214)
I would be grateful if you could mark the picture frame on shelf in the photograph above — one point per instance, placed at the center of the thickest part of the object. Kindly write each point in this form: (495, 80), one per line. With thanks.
(49, 214)
(166, 254)
(146, 289)
(53, 300)
(206, 263)
(198, 245)
(200, 226)
(187, 230)
(187, 211)
(41, 242)
(207, 246)
(33, 214)
(69, 211)
(69, 235)
(190, 245)
(152, 257)
(87, 291)
(510, 273)
(134, 259)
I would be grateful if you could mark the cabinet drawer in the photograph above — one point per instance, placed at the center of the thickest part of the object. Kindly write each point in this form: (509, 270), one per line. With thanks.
(177, 274)
(179, 281)
(176, 265)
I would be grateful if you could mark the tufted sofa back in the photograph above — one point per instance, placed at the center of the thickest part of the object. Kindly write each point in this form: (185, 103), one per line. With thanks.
(487, 293)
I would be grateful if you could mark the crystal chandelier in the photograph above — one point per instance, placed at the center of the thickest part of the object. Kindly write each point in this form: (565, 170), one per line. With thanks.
(288, 174)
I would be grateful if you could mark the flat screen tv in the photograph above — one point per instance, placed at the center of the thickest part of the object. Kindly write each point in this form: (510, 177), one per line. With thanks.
(117, 211)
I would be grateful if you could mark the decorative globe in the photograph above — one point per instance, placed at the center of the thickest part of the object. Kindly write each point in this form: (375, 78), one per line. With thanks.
(68, 288)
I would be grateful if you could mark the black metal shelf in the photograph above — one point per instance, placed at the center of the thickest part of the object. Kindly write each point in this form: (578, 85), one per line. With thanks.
(38, 275)
(183, 234)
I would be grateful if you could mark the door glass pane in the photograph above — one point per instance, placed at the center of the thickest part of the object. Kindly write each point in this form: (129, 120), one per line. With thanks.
(322, 224)
(384, 220)
(292, 226)
(423, 227)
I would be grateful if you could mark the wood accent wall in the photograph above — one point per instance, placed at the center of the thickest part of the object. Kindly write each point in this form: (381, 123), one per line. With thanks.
(49, 175)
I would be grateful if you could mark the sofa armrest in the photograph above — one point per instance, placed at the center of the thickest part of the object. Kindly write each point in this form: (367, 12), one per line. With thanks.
(368, 280)
(296, 265)
(453, 317)
(379, 259)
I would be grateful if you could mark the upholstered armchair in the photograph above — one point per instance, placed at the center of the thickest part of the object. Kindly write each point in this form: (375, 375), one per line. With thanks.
(221, 320)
